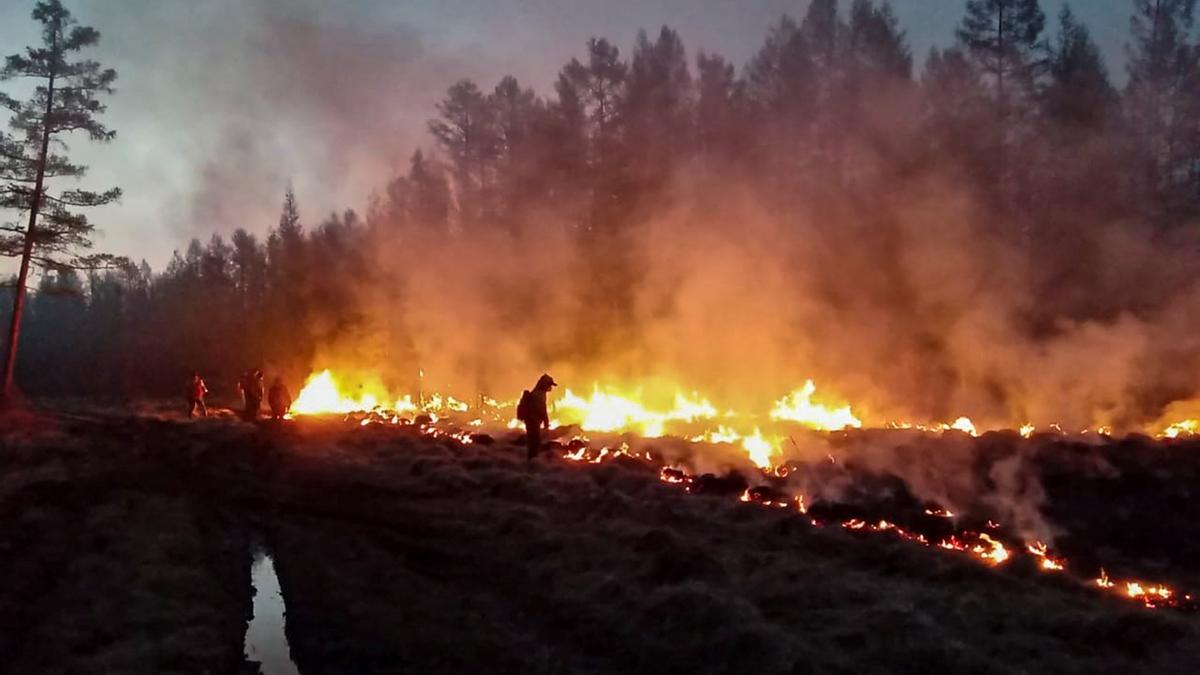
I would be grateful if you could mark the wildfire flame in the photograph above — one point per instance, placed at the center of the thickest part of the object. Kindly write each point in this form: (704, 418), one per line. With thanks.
(612, 411)
(322, 395)
(1047, 562)
(1181, 428)
(799, 407)
(605, 410)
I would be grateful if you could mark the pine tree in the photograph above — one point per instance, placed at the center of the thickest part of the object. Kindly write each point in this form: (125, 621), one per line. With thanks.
(878, 47)
(466, 131)
(599, 87)
(66, 99)
(781, 92)
(876, 75)
(520, 150)
(514, 109)
(822, 33)
(1078, 98)
(658, 98)
(594, 95)
(431, 194)
(956, 106)
(289, 216)
(249, 270)
(1162, 106)
(718, 129)
(566, 155)
(290, 275)
(779, 78)
(1003, 38)
(1079, 168)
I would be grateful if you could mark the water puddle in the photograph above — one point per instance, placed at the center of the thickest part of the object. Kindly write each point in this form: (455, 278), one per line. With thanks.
(265, 639)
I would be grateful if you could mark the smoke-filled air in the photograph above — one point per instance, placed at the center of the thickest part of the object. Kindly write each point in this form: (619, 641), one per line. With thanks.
(999, 234)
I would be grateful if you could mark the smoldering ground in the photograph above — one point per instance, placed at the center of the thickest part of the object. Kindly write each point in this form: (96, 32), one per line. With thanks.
(395, 550)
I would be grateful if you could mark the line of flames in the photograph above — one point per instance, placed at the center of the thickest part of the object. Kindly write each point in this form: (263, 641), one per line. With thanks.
(609, 411)
(979, 545)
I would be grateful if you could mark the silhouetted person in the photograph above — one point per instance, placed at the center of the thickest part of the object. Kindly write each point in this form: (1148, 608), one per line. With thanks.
(532, 411)
(196, 392)
(252, 393)
(279, 398)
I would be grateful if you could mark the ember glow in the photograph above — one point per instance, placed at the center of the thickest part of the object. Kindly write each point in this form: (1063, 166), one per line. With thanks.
(1048, 562)
(980, 545)
(691, 415)
(607, 411)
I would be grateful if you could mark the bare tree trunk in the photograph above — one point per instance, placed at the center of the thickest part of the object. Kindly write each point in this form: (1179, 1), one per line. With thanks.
(14, 329)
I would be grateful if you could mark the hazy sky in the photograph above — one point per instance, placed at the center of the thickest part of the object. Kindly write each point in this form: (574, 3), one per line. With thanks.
(221, 103)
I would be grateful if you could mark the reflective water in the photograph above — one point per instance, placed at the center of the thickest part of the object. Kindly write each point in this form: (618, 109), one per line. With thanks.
(265, 639)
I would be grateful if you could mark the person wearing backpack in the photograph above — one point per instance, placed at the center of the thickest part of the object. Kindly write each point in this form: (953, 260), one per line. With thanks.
(252, 393)
(531, 410)
(279, 399)
(196, 391)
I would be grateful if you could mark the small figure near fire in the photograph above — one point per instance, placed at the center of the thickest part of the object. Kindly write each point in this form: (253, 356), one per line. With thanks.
(531, 410)
(279, 398)
(196, 392)
(252, 393)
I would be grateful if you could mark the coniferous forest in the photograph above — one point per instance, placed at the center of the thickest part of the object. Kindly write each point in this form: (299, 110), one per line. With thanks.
(1064, 181)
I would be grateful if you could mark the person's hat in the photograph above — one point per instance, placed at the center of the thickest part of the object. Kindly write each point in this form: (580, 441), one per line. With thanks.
(547, 381)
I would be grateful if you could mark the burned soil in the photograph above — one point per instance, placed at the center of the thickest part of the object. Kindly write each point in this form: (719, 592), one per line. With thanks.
(128, 543)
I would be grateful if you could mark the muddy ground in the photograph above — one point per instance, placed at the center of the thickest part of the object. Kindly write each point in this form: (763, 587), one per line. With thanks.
(127, 543)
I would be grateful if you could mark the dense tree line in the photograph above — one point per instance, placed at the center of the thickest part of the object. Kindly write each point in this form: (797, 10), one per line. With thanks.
(826, 122)
(218, 308)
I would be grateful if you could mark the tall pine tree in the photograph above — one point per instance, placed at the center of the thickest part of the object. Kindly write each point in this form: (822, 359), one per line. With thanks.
(782, 96)
(1002, 39)
(466, 131)
(1078, 96)
(658, 98)
(594, 94)
(66, 99)
(1161, 104)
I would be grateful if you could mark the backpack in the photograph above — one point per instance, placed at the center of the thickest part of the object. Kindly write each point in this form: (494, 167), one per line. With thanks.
(525, 406)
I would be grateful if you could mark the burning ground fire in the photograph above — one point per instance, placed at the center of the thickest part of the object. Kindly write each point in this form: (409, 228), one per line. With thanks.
(689, 415)
(695, 418)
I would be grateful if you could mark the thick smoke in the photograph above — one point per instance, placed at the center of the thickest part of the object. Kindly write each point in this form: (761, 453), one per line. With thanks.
(904, 297)
(908, 294)
(923, 318)
(220, 105)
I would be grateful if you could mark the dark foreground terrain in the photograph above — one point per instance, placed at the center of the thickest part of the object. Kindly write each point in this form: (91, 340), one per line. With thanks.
(127, 544)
